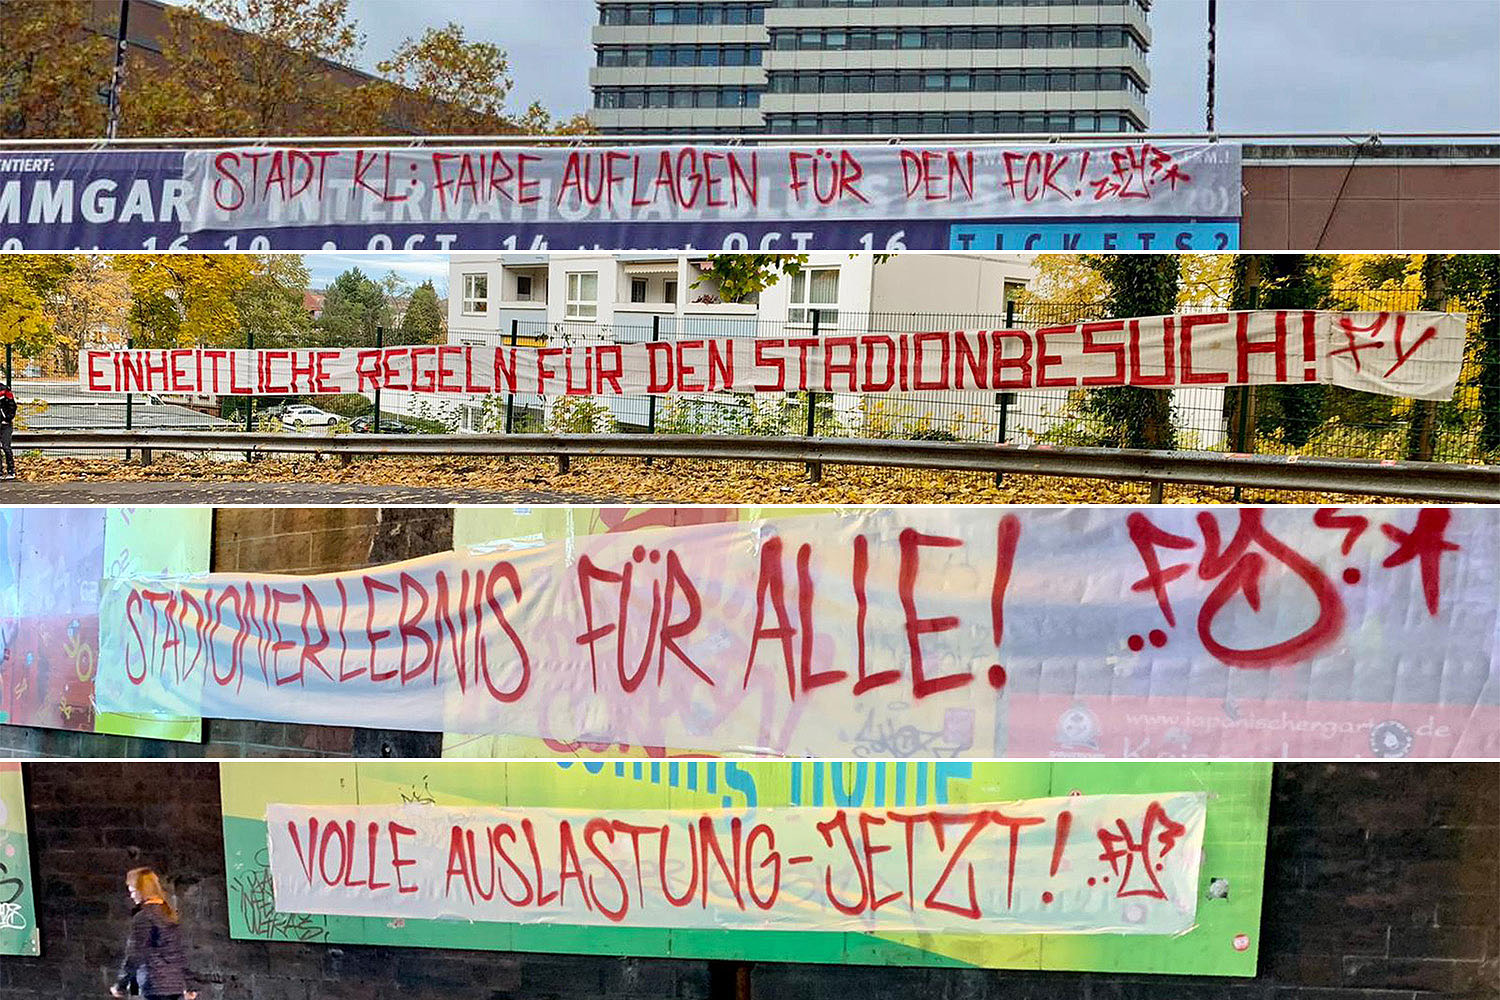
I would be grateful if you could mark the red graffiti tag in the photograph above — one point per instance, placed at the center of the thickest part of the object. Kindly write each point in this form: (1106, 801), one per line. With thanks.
(1135, 860)
(1135, 169)
(1349, 329)
(1424, 544)
(1404, 354)
(1239, 570)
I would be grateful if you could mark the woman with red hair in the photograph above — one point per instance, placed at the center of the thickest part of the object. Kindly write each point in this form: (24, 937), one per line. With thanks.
(154, 965)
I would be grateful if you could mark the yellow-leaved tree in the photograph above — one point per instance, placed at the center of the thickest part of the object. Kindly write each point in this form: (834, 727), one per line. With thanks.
(186, 299)
(1068, 287)
(51, 68)
(91, 309)
(266, 68)
(1378, 281)
(244, 67)
(28, 282)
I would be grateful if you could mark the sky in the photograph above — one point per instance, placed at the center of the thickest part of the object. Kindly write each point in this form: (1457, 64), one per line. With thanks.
(414, 268)
(1284, 65)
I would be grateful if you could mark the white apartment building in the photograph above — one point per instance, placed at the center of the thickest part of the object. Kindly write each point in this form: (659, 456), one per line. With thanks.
(883, 67)
(628, 298)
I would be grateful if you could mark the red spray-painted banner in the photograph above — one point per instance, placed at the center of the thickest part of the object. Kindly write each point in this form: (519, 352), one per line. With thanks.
(1117, 864)
(957, 631)
(1403, 354)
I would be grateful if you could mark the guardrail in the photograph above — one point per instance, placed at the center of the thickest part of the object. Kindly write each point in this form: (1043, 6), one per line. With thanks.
(1405, 480)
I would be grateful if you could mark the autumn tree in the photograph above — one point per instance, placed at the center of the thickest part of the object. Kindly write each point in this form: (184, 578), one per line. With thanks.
(51, 69)
(28, 282)
(90, 309)
(537, 120)
(423, 322)
(260, 77)
(1474, 281)
(739, 276)
(269, 304)
(1068, 287)
(441, 84)
(1421, 438)
(186, 299)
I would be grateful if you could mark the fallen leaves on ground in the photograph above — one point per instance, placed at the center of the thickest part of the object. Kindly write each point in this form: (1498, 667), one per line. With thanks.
(663, 480)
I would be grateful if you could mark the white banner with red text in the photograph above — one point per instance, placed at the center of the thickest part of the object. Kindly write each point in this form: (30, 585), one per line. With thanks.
(1401, 354)
(1096, 864)
(943, 631)
(267, 188)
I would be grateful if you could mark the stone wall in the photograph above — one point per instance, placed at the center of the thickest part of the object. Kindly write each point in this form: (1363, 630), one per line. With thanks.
(1383, 883)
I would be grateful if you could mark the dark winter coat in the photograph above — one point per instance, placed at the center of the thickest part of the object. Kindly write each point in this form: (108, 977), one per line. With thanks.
(154, 962)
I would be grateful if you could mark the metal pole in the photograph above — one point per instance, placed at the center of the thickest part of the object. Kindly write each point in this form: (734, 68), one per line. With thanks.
(1213, 45)
(510, 399)
(651, 400)
(379, 343)
(1004, 399)
(117, 81)
(129, 397)
(1244, 438)
(250, 400)
(1422, 438)
(814, 469)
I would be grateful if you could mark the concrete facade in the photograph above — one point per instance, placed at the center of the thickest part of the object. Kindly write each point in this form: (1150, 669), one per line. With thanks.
(869, 66)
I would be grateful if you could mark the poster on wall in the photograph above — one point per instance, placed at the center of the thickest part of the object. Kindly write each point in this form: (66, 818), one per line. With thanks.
(1138, 867)
(877, 632)
(52, 560)
(19, 934)
(1137, 195)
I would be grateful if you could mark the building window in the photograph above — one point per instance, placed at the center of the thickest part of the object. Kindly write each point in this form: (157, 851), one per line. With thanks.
(523, 288)
(637, 289)
(814, 288)
(963, 37)
(669, 292)
(476, 294)
(676, 97)
(838, 81)
(1012, 293)
(583, 295)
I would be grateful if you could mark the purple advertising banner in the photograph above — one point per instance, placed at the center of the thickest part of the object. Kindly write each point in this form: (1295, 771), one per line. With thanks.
(859, 197)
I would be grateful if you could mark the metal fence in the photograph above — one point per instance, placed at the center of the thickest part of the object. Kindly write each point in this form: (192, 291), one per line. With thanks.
(1309, 420)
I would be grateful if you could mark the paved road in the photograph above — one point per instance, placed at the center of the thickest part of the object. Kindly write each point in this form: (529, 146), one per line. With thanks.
(271, 494)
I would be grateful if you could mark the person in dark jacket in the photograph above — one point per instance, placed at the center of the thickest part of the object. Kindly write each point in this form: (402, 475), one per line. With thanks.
(7, 428)
(154, 965)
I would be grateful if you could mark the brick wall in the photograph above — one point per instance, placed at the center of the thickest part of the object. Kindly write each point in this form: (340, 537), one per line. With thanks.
(1383, 884)
(279, 540)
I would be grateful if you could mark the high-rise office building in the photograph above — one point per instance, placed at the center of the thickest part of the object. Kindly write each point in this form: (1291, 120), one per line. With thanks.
(887, 67)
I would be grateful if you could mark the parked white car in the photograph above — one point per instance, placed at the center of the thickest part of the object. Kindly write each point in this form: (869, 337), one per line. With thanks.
(302, 415)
